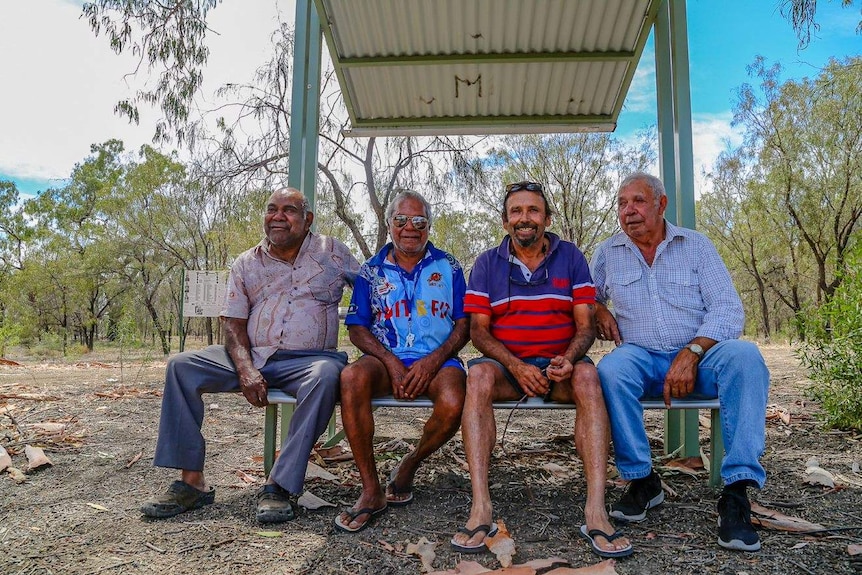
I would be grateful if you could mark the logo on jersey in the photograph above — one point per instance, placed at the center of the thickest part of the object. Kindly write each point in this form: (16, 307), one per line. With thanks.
(383, 286)
(435, 279)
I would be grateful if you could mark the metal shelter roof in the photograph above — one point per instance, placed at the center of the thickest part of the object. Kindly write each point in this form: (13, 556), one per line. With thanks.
(418, 67)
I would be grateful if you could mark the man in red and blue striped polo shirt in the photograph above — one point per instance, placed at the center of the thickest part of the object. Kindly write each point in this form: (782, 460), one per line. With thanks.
(531, 302)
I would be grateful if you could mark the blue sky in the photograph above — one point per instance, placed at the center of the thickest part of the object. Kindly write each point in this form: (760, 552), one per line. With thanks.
(61, 83)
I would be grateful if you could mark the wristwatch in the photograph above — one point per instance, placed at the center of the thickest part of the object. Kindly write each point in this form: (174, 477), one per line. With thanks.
(696, 350)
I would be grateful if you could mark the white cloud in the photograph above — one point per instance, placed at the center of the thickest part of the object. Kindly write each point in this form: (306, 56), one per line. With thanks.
(711, 135)
(61, 83)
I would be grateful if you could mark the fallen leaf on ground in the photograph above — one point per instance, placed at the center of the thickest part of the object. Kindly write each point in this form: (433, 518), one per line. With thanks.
(48, 427)
(5, 458)
(819, 476)
(268, 533)
(386, 545)
(36, 458)
(327, 453)
(16, 474)
(309, 500)
(771, 519)
(538, 564)
(799, 545)
(4, 361)
(514, 570)
(778, 412)
(313, 470)
(97, 507)
(464, 568)
(501, 544)
(29, 396)
(250, 479)
(134, 459)
(424, 549)
(854, 549)
(92, 364)
(667, 489)
(688, 465)
(557, 470)
(603, 568)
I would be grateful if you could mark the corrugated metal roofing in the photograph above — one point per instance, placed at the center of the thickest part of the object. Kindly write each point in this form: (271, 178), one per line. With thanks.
(484, 66)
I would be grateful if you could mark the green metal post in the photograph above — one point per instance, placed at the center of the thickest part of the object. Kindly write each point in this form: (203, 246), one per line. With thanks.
(677, 165)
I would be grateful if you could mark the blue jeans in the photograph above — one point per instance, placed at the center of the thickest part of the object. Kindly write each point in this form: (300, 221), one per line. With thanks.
(732, 370)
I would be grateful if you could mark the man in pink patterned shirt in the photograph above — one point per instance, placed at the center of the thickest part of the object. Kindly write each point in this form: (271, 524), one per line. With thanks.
(281, 331)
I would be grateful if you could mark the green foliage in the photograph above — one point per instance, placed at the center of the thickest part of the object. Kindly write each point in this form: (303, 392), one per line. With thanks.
(170, 40)
(833, 351)
(9, 336)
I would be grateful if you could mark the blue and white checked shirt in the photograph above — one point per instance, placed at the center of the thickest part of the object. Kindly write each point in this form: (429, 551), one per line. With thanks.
(685, 294)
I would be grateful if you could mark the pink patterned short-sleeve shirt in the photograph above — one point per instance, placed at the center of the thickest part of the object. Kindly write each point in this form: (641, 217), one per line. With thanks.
(290, 306)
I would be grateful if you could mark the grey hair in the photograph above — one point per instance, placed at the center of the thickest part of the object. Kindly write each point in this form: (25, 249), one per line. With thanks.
(406, 195)
(303, 204)
(655, 184)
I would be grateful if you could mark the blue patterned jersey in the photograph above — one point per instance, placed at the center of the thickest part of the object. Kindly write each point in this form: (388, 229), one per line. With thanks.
(394, 305)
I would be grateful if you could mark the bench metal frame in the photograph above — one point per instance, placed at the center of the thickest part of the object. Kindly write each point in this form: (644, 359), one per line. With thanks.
(689, 406)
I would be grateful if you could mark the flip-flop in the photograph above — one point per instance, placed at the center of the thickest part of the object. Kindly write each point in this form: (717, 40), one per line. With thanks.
(393, 489)
(590, 536)
(489, 530)
(353, 514)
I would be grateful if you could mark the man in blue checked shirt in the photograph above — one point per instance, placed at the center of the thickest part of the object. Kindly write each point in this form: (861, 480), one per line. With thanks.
(676, 322)
(407, 317)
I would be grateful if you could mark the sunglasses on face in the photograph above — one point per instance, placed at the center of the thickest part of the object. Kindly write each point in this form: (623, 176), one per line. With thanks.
(419, 222)
(528, 186)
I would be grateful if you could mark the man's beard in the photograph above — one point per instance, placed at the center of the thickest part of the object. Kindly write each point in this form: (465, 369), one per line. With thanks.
(527, 242)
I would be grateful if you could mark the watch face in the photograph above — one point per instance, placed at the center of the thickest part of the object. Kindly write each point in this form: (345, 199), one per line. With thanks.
(696, 349)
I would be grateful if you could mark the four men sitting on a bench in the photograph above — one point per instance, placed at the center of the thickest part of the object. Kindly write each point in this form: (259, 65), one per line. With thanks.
(532, 304)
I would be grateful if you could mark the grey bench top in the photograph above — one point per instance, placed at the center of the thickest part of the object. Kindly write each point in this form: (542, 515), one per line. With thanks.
(276, 396)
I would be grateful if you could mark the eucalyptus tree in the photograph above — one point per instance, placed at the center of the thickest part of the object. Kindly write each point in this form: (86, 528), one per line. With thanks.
(75, 228)
(14, 231)
(580, 173)
(769, 269)
(807, 138)
(803, 16)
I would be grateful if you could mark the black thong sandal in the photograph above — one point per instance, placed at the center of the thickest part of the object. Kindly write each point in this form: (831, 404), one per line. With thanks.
(489, 530)
(353, 514)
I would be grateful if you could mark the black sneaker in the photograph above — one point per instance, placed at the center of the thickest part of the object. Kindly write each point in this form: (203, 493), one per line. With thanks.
(734, 523)
(640, 496)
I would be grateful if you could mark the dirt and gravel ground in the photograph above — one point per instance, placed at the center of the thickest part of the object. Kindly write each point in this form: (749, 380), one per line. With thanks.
(80, 516)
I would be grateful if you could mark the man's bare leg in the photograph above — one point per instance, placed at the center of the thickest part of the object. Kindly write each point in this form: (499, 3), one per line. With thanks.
(592, 440)
(446, 391)
(360, 381)
(485, 384)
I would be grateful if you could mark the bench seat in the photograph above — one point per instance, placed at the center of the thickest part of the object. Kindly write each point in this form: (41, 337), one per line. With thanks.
(277, 397)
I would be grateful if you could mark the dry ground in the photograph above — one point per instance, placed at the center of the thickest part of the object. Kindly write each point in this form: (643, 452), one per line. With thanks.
(81, 515)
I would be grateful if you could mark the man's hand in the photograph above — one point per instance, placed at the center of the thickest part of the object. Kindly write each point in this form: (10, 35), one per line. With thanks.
(397, 372)
(531, 379)
(606, 325)
(419, 376)
(560, 369)
(253, 387)
(681, 376)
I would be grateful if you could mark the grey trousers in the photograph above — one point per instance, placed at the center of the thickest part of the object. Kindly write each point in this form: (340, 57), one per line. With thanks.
(310, 376)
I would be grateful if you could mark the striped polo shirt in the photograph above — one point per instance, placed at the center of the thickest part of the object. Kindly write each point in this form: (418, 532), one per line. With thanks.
(532, 315)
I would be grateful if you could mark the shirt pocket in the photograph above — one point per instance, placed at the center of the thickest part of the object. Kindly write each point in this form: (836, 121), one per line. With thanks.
(683, 287)
(624, 288)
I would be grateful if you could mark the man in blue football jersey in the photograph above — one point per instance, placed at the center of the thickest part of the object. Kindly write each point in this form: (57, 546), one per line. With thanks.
(407, 317)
